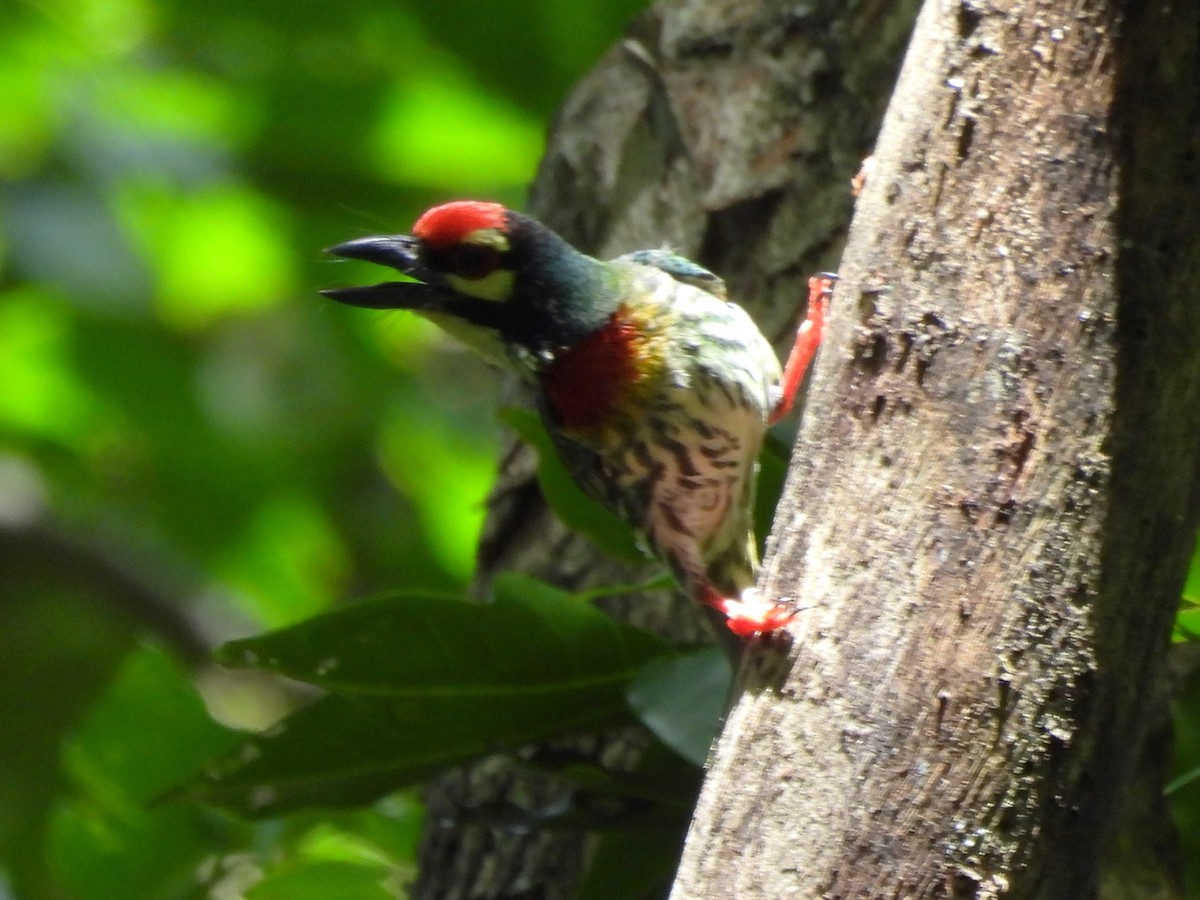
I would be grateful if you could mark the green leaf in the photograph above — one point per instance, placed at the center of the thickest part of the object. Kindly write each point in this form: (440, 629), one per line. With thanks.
(576, 509)
(637, 864)
(1181, 781)
(346, 751)
(44, 394)
(638, 860)
(338, 752)
(493, 144)
(180, 234)
(387, 832)
(682, 699)
(99, 854)
(288, 561)
(320, 880)
(772, 472)
(1187, 625)
(112, 755)
(533, 640)
(448, 490)
(434, 682)
(148, 731)
(1191, 587)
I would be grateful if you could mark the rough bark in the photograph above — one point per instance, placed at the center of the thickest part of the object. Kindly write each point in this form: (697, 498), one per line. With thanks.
(726, 129)
(993, 499)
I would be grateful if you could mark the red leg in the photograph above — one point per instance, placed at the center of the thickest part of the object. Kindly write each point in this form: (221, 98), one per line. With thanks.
(808, 339)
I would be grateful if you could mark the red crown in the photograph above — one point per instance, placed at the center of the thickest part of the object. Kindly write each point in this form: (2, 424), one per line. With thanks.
(448, 224)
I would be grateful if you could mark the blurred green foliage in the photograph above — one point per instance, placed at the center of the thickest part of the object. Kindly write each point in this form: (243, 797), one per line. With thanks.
(194, 445)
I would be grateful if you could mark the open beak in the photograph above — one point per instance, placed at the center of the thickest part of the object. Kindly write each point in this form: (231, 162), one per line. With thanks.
(396, 251)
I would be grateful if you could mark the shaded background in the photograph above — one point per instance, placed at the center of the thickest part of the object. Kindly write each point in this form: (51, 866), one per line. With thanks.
(195, 446)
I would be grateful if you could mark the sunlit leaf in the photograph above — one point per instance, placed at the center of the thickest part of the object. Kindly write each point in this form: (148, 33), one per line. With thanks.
(215, 251)
(448, 488)
(331, 844)
(1191, 587)
(289, 563)
(322, 880)
(43, 393)
(26, 115)
(108, 27)
(439, 130)
(1187, 625)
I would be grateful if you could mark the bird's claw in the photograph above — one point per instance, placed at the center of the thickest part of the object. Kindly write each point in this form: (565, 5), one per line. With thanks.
(750, 614)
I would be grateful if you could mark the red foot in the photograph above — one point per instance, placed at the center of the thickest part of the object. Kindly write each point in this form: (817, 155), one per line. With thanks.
(808, 339)
(752, 615)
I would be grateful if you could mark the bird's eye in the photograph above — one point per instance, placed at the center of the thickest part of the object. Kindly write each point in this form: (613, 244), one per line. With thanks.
(472, 261)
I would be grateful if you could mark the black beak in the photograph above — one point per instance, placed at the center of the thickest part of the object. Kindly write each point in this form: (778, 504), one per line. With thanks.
(396, 251)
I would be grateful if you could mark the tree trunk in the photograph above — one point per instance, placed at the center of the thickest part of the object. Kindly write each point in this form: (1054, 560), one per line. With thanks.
(993, 499)
(727, 129)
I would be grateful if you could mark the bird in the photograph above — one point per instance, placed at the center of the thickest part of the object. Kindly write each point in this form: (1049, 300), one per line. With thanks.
(655, 389)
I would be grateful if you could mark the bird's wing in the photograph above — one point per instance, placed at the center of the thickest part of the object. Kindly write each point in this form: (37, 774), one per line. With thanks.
(680, 268)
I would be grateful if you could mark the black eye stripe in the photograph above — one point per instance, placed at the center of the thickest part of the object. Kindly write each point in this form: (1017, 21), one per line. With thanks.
(470, 261)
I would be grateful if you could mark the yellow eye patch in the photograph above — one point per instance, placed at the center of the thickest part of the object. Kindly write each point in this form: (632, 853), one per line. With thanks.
(472, 267)
(496, 287)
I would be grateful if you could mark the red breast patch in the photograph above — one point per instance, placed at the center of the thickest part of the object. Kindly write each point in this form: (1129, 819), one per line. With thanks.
(586, 382)
(448, 224)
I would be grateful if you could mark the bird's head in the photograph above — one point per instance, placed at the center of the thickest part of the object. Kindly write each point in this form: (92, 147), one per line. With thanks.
(494, 278)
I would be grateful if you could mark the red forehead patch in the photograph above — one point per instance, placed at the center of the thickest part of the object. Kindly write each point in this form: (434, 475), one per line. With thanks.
(448, 224)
